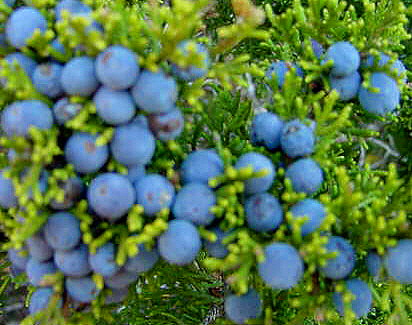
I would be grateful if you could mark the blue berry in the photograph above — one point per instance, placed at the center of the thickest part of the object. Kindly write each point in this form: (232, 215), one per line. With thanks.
(345, 58)
(279, 69)
(18, 117)
(180, 243)
(155, 92)
(167, 126)
(64, 111)
(191, 72)
(347, 86)
(154, 192)
(73, 189)
(263, 212)
(193, 203)
(37, 270)
(217, 249)
(10, 3)
(297, 139)
(82, 152)
(311, 209)
(239, 309)
(374, 264)
(62, 231)
(40, 300)
(78, 77)
(111, 195)
(73, 262)
(121, 279)
(282, 268)
(397, 261)
(141, 120)
(104, 260)
(8, 198)
(306, 175)
(342, 265)
(58, 47)
(143, 261)
(200, 166)
(21, 25)
(382, 60)
(81, 289)
(38, 248)
(114, 107)
(136, 172)
(16, 259)
(74, 7)
(362, 302)
(117, 295)
(25, 62)
(317, 48)
(117, 67)
(46, 79)
(132, 145)
(258, 162)
(266, 130)
(385, 100)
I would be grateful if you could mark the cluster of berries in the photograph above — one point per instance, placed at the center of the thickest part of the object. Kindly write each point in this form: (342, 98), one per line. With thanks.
(139, 104)
(383, 94)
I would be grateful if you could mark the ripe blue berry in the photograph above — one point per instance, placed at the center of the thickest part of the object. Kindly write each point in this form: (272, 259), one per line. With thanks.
(10, 3)
(132, 145)
(397, 261)
(347, 86)
(62, 231)
(382, 60)
(362, 302)
(37, 270)
(40, 300)
(311, 209)
(143, 261)
(74, 7)
(73, 262)
(266, 130)
(317, 48)
(342, 265)
(155, 92)
(374, 264)
(167, 126)
(38, 248)
(282, 268)
(117, 67)
(8, 198)
(193, 203)
(21, 25)
(104, 260)
(64, 111)
(385, 100)
(217, 249)
(180, 243)
(141, 120)
(263, 212)
(82, 152)
(306, 175)
(200, 166)
(297, 139)
(345, 58)
(25, 62)
(191, 72)
(81, 289)
(121, 279)
(18, 117)
(258, 162)
(57, 46)
(19, 261)
(78, 77)
(46, 79)
(111, 195)
(154, 192)
(279, 69)
(241, 308)
(114, 107)
(117, 295)
(73, 189)
(134, 173)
